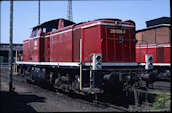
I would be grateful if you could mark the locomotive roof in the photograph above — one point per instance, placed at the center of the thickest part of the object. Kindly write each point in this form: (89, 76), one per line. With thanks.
(114, 19)
(52, 21)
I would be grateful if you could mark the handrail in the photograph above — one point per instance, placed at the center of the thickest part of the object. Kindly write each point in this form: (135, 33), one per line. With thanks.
(80, 64)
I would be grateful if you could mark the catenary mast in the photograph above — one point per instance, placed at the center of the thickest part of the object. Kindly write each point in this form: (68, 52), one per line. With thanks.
(69, 13)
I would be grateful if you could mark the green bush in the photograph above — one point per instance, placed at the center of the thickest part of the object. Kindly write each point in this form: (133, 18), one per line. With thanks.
(162, 101)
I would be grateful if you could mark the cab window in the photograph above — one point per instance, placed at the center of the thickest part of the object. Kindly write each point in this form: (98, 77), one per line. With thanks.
(50, 26)
(35, 32)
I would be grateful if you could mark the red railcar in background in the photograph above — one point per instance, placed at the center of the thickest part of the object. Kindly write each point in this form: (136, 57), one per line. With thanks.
(155, 40)
(161, 58)
(161, 53)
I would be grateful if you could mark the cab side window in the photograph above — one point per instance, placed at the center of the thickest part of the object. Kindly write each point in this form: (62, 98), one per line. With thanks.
(68, 23)
(49, 28)
(44, 30)
(35, 32)
(54, 29)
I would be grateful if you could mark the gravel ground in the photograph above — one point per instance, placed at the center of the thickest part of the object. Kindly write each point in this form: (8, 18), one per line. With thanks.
(32, 98)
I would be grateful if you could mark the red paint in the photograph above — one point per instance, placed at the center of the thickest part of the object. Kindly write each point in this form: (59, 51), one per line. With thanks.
(25, 50)
(160, 52)
(37, 49)
(47, 48)
(112, 50)
(61, 47)
(63, 44)
(167, 54)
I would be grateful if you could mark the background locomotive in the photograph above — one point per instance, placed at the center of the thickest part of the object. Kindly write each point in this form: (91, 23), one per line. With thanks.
(96, 56)
(156, 41)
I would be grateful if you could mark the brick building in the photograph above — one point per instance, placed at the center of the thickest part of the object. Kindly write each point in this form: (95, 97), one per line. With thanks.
(158, 31)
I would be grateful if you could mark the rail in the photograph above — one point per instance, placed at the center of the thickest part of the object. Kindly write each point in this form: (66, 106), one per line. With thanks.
(4, 64)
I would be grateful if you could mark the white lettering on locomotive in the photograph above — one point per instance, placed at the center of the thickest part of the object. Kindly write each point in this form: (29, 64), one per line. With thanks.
(117, 31)
(35, 44)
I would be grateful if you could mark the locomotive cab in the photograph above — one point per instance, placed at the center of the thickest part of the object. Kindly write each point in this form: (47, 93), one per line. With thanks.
(37, 44)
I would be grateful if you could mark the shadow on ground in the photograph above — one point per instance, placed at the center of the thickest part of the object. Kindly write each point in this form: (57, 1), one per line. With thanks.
(14, 102)
(119, 100)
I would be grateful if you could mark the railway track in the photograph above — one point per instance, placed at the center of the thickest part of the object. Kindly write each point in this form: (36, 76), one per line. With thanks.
(94, 101)
(111, 105)
(159, 85)
(19, 80)
(91, 99)
(162, 86)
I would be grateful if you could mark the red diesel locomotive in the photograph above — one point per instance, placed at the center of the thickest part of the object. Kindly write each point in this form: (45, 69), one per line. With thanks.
(96, 56)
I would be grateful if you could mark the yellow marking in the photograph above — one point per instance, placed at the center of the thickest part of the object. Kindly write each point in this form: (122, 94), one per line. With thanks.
(6, 86)
(78, 80)
(4, 83)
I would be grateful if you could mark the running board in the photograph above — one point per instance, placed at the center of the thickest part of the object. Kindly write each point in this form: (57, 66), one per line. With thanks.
(77, 64)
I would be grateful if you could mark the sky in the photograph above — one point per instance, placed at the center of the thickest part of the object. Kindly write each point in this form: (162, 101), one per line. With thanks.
(25, 13)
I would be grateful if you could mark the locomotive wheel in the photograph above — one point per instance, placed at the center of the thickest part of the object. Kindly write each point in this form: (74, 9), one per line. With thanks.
(57, 82)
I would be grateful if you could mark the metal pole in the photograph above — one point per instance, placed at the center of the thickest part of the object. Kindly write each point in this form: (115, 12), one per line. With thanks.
(0, 21)
(80, 64)
(39, 12)
(11, 46)
(16, 61)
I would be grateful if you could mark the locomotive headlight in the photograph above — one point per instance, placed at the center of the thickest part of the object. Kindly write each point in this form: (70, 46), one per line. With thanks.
(149, 62)
(99, 66)
(150, 58)
(97, 61)
(98, 58)
(118, 23)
